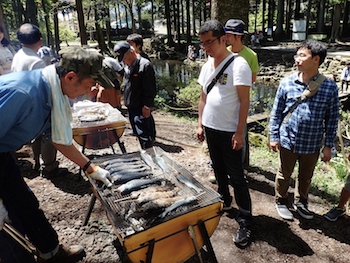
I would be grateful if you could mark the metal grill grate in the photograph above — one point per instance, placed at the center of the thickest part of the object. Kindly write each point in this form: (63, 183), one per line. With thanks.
(126, 215)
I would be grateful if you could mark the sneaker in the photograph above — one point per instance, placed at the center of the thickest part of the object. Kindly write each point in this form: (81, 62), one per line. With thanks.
(227, 207)
(335, 213)
(66, 255)
(242, 237)
(55, 173)
(303, 210)
(284, 212)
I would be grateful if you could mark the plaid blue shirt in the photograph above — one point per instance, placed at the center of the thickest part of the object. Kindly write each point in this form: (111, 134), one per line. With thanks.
(314, 118)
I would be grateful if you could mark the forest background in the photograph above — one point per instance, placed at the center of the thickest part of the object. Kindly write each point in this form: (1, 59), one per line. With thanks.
(106, 21)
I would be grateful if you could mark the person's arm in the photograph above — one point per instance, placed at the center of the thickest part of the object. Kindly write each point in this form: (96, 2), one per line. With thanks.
(244, 99)
(201, 104)
(149, 90)
(276, 119)
(331, 125)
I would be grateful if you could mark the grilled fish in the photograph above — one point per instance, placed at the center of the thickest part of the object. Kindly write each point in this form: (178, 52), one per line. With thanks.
(122, 160)
(147, 158)
(122, 166)
(187, 182)
(178, 203)
(120, 178)
(137, 184)
(145, 196)
(128, 171)
(160, 162)
(161, 203)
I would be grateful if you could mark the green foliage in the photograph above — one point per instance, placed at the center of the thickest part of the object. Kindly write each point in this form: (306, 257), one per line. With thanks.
(66, 34)
(189, 95)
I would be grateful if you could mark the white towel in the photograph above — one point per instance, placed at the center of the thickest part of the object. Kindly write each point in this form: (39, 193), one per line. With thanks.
(61, 114)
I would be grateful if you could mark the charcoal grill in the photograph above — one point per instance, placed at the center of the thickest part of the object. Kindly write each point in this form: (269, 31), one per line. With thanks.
(100, 134)
(167, 239)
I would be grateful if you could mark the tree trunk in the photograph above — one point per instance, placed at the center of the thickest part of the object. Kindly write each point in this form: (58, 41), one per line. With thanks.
(336, 23)
(270, 16)
(321, 13)
(263, 15)
(345, 30)
(31, 12)
(81, 22)
(168, 23)
(194, 9)
(288, 18)
(280, 20)
(19, 12)
(188, 24)
(56, 29)
(223, 10)
(99, 33)
(48, 40)
(178, 23)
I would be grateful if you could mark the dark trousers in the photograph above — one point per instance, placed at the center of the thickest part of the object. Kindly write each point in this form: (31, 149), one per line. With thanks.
(228, 169)
(144, 127)
(23, 208)
(346, 83)
(43, 145)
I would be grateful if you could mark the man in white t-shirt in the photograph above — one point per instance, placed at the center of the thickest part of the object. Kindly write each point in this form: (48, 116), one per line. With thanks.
(222, 118)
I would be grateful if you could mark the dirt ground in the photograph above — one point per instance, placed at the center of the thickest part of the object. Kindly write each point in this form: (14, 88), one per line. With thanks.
(65, 201)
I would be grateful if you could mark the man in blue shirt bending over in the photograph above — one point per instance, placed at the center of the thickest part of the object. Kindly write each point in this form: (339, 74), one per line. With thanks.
(299, 134)
(33, 102)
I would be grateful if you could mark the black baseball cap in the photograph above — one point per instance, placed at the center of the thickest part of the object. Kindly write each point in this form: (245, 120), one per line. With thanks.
(120, 50)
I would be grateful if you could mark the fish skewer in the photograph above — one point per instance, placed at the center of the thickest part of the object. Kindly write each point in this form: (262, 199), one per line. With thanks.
(187, 182)
(137, 184)
(121, 160)
(181, 202)
(150, 189)
(120, 178)
(147, 158)
(128, 171)
(125, 165)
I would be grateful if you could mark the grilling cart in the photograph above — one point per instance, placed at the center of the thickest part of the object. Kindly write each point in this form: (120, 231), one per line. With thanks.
(156, 235)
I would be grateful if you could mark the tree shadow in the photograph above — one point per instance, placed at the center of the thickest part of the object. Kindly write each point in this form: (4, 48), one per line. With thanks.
(338, 230)
(72, 183)
(285, 241)
(169, 148)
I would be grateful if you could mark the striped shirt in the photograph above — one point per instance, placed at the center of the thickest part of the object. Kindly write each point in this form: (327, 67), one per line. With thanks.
(313, 120)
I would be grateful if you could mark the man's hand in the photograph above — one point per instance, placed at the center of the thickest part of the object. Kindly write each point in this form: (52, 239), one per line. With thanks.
(101, 175)
(275, 146)
(3, 215)
(200, 134)
(237, 141)
(326, 154)
(146, 112)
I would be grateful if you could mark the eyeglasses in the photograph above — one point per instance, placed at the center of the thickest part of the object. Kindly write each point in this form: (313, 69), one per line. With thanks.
(301, 55)
(208, 42)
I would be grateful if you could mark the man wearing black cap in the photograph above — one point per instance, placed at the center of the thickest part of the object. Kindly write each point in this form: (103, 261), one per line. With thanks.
(31, 103)
(28, 59)
(139, 93)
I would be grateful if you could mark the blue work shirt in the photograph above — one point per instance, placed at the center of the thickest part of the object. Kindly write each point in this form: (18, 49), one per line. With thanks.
(25, 108)
(314, 118)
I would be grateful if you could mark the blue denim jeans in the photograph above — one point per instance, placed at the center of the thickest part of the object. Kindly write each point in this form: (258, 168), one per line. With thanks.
(228, 170)
(23, 208)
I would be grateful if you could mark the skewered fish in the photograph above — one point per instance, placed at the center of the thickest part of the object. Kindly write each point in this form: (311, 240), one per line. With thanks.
(122, 166)
(147, 158)
(128, 171)
(161, 203)
(121, 161)
(187, 182)
(120, 178)
(145, 196)
(160, 162)
(181, 202)
(137, 184)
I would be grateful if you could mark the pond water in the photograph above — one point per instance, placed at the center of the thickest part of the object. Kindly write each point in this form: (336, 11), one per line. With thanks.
(262, 94)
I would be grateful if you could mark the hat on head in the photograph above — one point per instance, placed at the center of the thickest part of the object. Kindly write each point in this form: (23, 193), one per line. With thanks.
(28, 34)
(120, 50)
(87, 62)
(235, 26)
